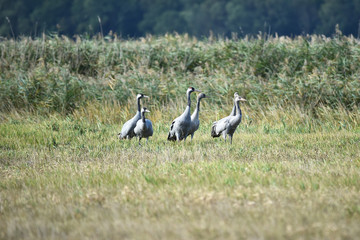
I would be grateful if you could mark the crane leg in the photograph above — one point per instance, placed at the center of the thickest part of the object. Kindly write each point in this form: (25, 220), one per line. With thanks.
(192, 135)
(230, 139)
(139, 141)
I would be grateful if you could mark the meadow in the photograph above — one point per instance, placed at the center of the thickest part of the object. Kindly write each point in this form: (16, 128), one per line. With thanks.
(292, 172)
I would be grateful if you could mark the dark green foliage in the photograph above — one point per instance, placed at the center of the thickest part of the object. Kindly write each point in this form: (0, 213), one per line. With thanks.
(135, 18)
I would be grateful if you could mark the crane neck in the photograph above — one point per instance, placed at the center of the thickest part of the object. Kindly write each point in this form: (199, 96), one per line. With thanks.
(143, 116)
(238, 110)
(138, 103)
(198, 105)
(233, 111)
(195, 114)
(188, 98)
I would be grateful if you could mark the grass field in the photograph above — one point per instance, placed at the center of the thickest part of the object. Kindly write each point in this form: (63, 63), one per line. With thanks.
(71, 178)
(292, 172)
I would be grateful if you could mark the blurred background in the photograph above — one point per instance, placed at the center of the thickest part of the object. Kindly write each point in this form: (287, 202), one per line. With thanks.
(136, 18)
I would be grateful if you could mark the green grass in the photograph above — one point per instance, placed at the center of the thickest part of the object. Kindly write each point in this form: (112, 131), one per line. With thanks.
(70, 178)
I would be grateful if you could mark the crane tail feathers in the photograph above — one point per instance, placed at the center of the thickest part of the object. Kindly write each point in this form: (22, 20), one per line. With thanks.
(172, 125)
(213, 131)
(129, 135)
(120, 136)
(171, 137)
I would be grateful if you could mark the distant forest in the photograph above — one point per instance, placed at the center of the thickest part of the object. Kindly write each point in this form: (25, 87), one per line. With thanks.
(135, 18)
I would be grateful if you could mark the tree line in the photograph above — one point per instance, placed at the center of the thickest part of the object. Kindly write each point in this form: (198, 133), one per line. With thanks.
(135, 18)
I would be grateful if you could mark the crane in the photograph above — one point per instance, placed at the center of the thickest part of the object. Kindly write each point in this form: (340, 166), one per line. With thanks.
(143, 127)
(195, 122)
(228, 125)
(233, 111)
(127, 131)
(180, 127)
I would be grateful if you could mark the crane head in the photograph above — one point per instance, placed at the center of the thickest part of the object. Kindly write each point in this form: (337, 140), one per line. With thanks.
(240, 99)
(140, 95)
(191, 89)
(201, 95)
(144, 110)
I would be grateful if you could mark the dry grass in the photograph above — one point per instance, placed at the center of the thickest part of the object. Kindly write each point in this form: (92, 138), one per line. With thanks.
(71, 178)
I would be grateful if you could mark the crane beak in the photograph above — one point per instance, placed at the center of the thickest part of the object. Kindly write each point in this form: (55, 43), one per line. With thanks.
(243, 99)
(146, 96)
(197, 90)
(147, 110)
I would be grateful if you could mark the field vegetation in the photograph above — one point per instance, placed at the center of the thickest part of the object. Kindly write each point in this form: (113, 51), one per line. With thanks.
(292, 171)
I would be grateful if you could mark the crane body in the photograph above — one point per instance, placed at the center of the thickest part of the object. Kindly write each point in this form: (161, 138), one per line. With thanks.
(195, 122)
(143, 128)
(227, 126)
(127, 131)
(180, 127)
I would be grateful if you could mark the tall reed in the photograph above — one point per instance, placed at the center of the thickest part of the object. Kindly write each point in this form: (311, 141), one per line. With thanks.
(55, 73)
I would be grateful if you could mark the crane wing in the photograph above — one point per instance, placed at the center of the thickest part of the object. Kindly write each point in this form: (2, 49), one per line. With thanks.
(127, 131)
(219, 126)
(171, 135)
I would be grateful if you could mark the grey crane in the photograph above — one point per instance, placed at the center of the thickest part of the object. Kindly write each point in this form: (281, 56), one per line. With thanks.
(143, 127)
(180, 127)
(228, 125)
(195, 122)
(233, 111)
(127, 131)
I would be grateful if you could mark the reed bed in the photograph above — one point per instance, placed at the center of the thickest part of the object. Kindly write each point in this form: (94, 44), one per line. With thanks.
(61, 74)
